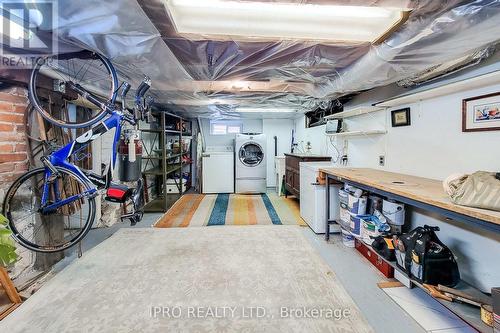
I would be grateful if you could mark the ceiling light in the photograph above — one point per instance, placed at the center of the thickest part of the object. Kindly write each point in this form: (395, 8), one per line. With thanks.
(263, 110)
(273, 20)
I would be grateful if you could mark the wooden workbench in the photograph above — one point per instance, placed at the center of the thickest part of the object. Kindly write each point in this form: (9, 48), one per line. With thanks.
(421, 192)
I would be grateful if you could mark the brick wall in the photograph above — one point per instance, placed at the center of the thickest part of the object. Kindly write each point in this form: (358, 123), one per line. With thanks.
(13, 157)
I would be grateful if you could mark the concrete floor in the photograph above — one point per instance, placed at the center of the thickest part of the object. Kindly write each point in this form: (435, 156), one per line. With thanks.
(133, 281)
(357, 276)
(360, 278)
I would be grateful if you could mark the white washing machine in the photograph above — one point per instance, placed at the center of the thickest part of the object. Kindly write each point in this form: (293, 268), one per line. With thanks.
(250, 163)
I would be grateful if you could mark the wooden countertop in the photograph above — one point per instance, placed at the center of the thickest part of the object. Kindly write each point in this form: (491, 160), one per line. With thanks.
(425, 190)
(307, 155)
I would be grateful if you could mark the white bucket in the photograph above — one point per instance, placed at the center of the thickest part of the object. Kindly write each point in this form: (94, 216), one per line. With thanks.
(368, 230)
(357, 206)
(347, 238)
(345, 217)
(394, 212)
(355, 226)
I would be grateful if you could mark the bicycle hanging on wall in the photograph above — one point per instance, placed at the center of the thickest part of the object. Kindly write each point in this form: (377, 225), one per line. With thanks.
(52, 208)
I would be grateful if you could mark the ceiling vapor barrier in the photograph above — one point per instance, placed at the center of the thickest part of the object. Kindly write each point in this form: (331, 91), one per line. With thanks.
(204, 60)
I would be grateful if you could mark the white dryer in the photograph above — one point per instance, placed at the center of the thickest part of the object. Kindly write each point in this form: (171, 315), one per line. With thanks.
(250, 163)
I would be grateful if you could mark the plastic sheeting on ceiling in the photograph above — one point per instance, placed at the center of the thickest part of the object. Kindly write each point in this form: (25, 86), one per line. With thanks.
(211, 78)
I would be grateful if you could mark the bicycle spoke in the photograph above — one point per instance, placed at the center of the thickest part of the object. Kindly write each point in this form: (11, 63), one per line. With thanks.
(91, 74)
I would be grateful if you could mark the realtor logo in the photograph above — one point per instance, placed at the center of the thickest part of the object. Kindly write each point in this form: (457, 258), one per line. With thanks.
(26, 28)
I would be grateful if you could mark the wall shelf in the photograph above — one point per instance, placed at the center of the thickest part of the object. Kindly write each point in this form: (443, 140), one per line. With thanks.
(357, 133)
(365, 109)
(450, 88)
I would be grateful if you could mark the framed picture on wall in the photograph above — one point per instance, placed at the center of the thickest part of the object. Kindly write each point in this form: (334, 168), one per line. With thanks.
(401, 117)
(481, 113)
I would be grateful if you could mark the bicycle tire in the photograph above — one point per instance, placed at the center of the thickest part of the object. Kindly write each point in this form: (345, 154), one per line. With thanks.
(16, 233)
(108, 97)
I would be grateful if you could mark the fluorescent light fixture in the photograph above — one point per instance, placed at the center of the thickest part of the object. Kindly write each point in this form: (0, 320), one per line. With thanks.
(264, 110)
(275, 20)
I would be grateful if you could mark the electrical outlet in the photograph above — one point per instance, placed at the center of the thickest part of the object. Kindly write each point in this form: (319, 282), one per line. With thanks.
(381, 160)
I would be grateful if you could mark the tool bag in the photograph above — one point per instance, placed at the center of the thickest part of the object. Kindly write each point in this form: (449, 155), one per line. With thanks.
(425, 258)
(384, 247)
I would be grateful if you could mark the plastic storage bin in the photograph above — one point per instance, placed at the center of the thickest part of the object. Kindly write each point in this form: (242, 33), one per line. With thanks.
(172, 185)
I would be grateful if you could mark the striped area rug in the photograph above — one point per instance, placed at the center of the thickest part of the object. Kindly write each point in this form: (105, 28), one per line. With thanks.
(193, 210)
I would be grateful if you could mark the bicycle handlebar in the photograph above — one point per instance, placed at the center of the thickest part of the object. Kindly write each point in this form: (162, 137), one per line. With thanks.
(141, 90)
(140, 106)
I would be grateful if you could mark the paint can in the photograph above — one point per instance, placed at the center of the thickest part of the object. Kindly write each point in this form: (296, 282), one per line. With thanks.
(347, 238)
(394, 212)
(368, 231)
(357, 205)
(345, 217)
(355, 226)
(374, 203)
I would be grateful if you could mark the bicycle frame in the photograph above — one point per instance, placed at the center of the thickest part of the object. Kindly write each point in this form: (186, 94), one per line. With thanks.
(60, 158)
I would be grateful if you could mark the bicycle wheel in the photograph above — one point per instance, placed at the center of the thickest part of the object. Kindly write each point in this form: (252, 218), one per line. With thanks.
(49, 232)
(50, 81)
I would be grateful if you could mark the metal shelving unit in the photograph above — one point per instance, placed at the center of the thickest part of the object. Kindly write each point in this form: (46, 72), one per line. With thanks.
(162, 165)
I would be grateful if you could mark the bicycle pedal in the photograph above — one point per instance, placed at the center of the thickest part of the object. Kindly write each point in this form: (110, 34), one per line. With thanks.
(132, 217)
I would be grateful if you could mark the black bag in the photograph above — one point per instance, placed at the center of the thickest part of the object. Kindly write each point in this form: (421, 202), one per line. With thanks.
(384, 247)
(425, 258)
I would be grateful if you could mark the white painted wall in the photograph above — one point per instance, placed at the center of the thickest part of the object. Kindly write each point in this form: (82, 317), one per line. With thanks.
(434, 146)
(282, 129)
(249, 126)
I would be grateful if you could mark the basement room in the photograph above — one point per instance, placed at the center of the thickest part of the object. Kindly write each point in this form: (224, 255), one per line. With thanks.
(250, 166)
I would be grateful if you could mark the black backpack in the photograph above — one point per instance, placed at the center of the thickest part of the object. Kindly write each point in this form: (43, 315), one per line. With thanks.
(426, 259)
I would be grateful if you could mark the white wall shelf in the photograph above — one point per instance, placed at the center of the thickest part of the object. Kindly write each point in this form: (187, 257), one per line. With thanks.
(357, 133)
(360, 110)
(450, 88)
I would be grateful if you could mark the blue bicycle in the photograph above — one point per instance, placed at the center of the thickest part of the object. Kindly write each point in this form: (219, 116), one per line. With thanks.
(53, 207)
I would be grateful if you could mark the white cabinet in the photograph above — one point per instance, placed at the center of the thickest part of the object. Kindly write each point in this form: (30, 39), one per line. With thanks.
(313, 197)
(218, 172)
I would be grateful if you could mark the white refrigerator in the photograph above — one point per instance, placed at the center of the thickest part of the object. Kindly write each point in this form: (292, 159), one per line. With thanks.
(313, 198)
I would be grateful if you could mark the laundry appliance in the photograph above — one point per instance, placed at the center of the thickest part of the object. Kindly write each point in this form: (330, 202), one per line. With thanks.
(218, 170)
(250, 163)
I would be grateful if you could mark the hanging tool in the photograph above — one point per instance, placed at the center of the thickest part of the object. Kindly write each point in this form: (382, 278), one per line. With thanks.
(275, 145)
(464, 297)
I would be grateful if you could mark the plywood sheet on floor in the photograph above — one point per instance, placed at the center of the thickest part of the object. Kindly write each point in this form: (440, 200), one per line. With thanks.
(114, 287)
(231, 209)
